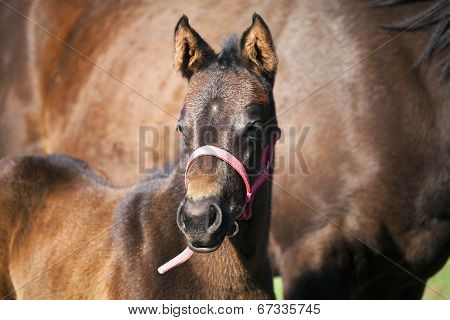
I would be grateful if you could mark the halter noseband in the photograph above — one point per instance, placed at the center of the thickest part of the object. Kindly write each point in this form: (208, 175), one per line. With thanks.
(224, 155)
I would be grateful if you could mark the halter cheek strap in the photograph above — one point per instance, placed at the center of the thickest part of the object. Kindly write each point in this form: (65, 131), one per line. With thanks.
(224, 155)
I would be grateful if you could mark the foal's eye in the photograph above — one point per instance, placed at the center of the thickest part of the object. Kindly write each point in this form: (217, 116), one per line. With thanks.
(180, 128)
(253, 129)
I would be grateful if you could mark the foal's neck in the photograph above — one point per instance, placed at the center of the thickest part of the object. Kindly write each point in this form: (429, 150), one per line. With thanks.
(239, 269)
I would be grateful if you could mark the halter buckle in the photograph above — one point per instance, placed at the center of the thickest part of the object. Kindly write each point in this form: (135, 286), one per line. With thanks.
(236, 230)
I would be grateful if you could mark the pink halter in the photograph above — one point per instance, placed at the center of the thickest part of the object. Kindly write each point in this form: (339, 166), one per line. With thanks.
(266, 163)
(208, 150)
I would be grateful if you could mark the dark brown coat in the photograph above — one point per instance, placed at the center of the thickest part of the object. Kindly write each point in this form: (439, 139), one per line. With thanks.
(376, 159)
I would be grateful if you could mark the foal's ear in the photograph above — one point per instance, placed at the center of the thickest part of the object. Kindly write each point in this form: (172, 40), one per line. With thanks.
(257, 48)
(191, 52)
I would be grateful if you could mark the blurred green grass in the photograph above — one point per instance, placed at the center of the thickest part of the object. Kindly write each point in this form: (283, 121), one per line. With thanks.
(439, 282)
(278, 288)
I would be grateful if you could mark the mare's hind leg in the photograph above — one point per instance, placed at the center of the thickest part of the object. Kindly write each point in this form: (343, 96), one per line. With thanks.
(316, 268)
(335, 282)
(414, 292)
(328, 283)
(328, 265)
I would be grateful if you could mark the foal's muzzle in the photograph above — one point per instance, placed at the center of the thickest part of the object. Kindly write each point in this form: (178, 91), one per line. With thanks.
(203, 224)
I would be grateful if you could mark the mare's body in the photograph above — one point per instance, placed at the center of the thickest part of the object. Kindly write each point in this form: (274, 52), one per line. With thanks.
(377, 152)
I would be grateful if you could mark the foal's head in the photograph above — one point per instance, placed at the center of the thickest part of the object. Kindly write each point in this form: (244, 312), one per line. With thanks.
(229, 104)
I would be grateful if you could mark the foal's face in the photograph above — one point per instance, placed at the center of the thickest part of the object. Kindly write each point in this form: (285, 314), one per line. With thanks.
(229, 105)
(227, 109)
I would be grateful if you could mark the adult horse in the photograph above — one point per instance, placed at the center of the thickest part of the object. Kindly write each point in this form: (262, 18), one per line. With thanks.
(53, 206)
(368, 202)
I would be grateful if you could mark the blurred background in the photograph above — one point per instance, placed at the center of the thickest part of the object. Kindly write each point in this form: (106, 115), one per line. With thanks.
(95, 80)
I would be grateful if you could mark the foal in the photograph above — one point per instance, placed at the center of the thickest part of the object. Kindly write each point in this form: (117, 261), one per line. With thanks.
(66, 233)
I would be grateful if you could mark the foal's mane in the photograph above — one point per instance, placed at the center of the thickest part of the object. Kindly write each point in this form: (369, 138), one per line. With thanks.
(437, 18)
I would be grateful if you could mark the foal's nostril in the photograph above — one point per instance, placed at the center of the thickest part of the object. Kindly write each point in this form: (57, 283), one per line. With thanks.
(212, 215)
(199, 219)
